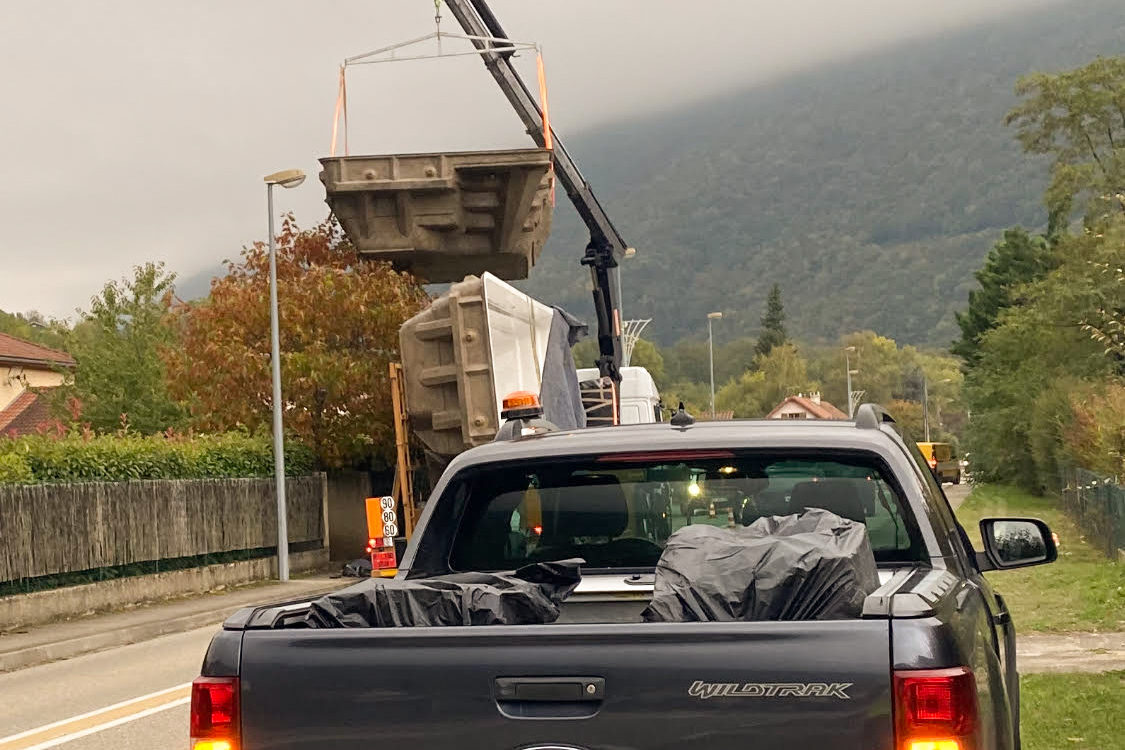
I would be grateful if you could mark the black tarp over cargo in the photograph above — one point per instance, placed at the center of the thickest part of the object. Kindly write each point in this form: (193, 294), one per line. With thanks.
(530, 596)
(815, 566)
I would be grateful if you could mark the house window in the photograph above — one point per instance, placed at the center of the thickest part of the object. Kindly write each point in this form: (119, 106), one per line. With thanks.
(793, 415)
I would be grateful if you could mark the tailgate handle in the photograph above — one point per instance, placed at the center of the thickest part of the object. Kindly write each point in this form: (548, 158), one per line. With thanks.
(551, 689)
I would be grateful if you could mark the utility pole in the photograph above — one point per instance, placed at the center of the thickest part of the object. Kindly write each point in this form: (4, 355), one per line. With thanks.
(926, 407)
(926, 404)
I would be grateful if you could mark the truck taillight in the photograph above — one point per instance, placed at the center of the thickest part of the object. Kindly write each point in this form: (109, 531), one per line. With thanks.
(933, 463)
(935, 709)
(214, 713)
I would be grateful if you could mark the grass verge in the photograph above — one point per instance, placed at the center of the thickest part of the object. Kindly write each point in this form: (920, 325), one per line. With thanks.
(1081, 591)
(1081, 711)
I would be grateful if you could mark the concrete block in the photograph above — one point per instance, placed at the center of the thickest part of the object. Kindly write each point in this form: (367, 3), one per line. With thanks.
(445, 216)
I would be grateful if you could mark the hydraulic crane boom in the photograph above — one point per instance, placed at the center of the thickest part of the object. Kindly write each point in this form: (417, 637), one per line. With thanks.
(606, 247)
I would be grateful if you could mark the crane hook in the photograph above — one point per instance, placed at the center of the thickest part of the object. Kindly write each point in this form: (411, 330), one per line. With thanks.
(437, 23)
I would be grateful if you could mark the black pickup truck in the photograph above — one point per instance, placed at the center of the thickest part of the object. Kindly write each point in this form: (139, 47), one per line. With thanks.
(929, 665)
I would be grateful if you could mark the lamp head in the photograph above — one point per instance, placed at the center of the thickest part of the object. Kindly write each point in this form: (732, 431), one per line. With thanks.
(287, 178)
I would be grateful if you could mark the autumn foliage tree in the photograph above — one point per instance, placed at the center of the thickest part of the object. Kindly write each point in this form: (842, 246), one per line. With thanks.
(339, 321)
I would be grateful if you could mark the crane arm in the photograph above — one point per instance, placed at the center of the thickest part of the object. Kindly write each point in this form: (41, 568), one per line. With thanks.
(606, 247)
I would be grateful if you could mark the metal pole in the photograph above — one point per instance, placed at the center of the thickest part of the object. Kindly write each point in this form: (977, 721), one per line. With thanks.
(926, 407)
(278, 436)
(625, 355)
(711, 350)
(848, 367)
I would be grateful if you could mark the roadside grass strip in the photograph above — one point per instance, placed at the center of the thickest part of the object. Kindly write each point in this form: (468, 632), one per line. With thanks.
(1080, 711)
(1082, 591)
(68, 730)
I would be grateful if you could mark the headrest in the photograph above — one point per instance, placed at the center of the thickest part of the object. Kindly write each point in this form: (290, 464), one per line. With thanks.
(839, 496)
(591, 505)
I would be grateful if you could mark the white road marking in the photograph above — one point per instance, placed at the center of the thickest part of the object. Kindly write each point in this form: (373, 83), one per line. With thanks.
(86, 724)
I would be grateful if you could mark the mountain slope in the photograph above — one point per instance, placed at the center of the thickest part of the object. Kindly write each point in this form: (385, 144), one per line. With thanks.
(869, 191)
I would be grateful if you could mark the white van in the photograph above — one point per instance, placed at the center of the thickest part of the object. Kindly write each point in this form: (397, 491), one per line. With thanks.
(640, 401)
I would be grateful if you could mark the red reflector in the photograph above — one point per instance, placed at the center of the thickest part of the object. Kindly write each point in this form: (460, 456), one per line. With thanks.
(933, 702)
(936, 704)
(214, 708)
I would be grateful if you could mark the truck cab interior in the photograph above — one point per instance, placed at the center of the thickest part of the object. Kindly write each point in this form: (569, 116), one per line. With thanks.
(617, 514)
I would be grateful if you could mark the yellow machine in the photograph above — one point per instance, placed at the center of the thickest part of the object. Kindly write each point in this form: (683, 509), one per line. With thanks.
(942, 461)
(383, 513)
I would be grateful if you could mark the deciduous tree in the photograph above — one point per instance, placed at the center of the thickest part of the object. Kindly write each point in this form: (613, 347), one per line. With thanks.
(35, 327)
(781, 373)
(339, 322)
(1078, 117)
(119, 380)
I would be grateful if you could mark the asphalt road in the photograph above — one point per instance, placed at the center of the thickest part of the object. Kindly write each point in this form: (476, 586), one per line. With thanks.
(957, 493)
(34, 699)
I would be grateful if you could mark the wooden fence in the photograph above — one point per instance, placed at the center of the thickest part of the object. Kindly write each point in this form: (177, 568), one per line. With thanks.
(47, 529)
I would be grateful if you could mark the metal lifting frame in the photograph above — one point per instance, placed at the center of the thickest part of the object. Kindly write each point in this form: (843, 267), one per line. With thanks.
(606, 247)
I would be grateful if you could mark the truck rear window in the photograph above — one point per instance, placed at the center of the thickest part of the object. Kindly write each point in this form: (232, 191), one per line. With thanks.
(618, 511)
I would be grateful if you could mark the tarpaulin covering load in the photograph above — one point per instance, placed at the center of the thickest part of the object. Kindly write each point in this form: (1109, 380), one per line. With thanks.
(529, 596)
(815, 566)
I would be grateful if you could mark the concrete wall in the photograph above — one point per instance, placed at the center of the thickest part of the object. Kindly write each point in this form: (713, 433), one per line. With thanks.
(14, 380)
(23, 610)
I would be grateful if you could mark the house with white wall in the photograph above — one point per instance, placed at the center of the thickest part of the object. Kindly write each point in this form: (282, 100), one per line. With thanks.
(25, 370)
(802, 406)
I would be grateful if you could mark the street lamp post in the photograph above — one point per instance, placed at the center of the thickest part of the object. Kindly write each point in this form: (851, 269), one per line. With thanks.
(848, 367)
(289, 178)
(711, 317)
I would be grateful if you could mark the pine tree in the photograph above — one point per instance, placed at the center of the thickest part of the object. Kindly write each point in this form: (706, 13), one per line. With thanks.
(773, 329)
(1015, 261)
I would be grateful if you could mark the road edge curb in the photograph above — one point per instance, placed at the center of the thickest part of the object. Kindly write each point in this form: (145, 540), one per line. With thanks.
(44, 653)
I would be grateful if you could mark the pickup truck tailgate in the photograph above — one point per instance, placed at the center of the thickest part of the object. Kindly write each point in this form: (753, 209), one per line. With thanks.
(783, 685)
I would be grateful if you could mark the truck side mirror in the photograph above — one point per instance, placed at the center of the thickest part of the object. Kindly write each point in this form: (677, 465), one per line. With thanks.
(1015, 543)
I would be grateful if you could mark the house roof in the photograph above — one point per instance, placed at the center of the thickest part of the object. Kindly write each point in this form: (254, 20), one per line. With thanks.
(19, 352)
(823, 410)
(24, 415)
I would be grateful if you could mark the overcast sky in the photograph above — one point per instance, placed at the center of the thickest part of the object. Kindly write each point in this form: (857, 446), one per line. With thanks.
(134, 130)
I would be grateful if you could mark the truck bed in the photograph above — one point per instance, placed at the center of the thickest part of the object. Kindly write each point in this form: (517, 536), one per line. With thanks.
(611, 683)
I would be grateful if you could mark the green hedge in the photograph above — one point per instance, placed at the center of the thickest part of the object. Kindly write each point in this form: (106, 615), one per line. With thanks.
(14, 468)
(111, 458)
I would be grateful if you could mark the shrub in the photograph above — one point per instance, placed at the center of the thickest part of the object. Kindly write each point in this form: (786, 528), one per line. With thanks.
(1095, 439)
(110, 458)
(14, 469)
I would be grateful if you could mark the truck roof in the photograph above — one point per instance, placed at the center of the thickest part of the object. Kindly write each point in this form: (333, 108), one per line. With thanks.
(749, 433)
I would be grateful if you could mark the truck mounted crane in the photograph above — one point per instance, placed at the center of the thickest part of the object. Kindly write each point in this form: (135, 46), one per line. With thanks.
(606, 247)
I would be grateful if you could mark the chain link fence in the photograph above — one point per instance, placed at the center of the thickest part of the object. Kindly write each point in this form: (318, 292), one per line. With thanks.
(1097, 503)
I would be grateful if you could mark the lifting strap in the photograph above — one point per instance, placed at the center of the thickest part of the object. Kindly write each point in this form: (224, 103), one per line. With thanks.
(341, 108)
(545, 107)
